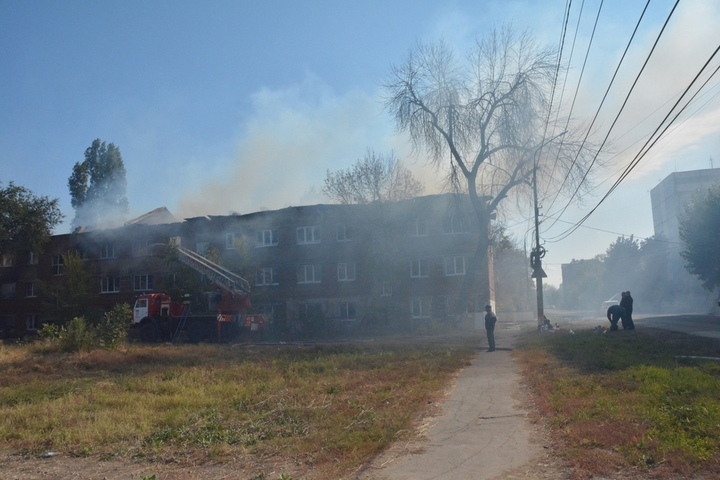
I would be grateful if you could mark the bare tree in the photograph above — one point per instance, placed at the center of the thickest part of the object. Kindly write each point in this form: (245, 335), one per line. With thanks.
(484, 122)
(376, 178)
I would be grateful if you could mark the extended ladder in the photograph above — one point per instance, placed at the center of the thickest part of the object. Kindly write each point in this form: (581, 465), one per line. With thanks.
(221, 276)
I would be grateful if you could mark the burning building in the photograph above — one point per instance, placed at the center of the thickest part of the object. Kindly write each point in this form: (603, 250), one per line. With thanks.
(393, 267)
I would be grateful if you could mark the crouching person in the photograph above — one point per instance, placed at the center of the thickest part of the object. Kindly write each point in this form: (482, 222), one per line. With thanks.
(614, 314)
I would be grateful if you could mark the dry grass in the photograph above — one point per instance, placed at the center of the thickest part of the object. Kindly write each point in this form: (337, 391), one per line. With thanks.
(621, 406)
(320, 408)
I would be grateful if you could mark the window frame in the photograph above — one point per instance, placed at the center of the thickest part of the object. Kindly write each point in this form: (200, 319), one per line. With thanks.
(346, 272)
(455, 271)
(420, 262)
(138, 282)
(417, 231)
(32, 322)
(343, 233)
(314, 231)
(105, 284)
(273, 276)
(316, 274)
(262, 240)
(107, 250)
(425, 307)
(58, 265)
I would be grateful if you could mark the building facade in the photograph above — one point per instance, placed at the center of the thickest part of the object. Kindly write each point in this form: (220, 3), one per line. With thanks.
(670, 197)
(394, 266)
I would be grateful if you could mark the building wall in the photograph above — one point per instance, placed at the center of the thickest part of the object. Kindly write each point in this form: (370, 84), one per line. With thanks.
(396, 265)
(670, 197)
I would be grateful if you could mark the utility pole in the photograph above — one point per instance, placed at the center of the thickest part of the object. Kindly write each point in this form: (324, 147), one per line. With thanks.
(538, 252)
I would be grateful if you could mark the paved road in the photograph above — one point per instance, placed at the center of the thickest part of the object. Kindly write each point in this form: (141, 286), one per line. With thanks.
(693, 324)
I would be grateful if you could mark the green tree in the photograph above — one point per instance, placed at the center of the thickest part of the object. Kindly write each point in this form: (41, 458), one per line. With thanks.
(26, 220)
(622, 262)
(375, 178)
(482, 123)
(68, 298)
(699, 231)
(98, 187)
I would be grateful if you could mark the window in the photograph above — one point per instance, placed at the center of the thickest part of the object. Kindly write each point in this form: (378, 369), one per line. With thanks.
(142, 282)
(140, 248)
(347, 311)
(266, 238)
(32, 322)
(455, 265)
(309, 311)
(419, 268)
(306, 235)
(343, 233)
(230, 240)
(453, 224)
(441, 305)
(107, 250)
(386, 290)
(109, 284)
(8, 260)
(202, 248)
(7, 291)
(420, 228)
(420, 307)
(57, 264)
(32, 258)
(346, 272)
(30, 290)
(309, 274)
(266, 276)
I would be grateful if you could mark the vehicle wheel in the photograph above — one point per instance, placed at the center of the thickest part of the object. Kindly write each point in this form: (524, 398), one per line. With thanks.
(149, 331)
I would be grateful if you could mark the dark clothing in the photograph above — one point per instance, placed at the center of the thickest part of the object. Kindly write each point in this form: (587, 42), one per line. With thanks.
(490, 321)
(615, 313)
(627, 303)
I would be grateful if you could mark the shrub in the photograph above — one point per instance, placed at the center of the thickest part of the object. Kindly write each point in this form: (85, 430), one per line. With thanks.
(112, 330)
(77, 336)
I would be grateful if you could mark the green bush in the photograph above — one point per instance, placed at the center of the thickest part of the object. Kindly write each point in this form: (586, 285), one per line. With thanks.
(77, 336)
(51, 332)
(112, 330)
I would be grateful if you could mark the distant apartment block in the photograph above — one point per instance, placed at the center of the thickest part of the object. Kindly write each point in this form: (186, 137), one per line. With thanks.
(670, 197)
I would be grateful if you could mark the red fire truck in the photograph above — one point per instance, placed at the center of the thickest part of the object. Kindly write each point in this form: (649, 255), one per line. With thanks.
(156, 317)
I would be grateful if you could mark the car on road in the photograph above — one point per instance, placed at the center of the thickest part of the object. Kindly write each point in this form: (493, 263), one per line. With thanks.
(614, 300)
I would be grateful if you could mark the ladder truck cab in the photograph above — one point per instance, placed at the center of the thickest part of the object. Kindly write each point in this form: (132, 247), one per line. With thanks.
(156, 317)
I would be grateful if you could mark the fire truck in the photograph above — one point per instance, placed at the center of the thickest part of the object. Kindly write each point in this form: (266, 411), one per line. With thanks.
(156, 317)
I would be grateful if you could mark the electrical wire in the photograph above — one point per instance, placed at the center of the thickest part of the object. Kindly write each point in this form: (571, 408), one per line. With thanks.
(622, 108)
(602, 102)
(649, 143)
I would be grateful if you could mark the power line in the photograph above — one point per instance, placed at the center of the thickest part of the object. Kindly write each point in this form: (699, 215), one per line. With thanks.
(646, 148)
(602, 102)
(622, 108)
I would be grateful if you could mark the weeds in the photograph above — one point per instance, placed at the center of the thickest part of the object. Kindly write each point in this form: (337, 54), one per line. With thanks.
(620, 401)
(328, 408)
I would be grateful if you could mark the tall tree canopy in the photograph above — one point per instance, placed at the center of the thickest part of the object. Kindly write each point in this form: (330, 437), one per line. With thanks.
(376, 178)
(699, 231)
(26, 220)
(98, 187)
(484, 121)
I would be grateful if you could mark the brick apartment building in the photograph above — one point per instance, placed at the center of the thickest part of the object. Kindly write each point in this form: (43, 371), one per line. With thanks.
(391, 266)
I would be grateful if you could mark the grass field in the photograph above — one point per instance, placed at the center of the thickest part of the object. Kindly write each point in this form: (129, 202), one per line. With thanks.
(628, 403)
(620, 405)
(320, 408)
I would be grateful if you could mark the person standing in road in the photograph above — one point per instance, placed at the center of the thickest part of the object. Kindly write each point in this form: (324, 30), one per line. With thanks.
(615, 313)
(626, 302)
(490, 321)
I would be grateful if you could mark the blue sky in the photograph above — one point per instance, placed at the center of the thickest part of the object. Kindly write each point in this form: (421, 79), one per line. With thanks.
(236, 106)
